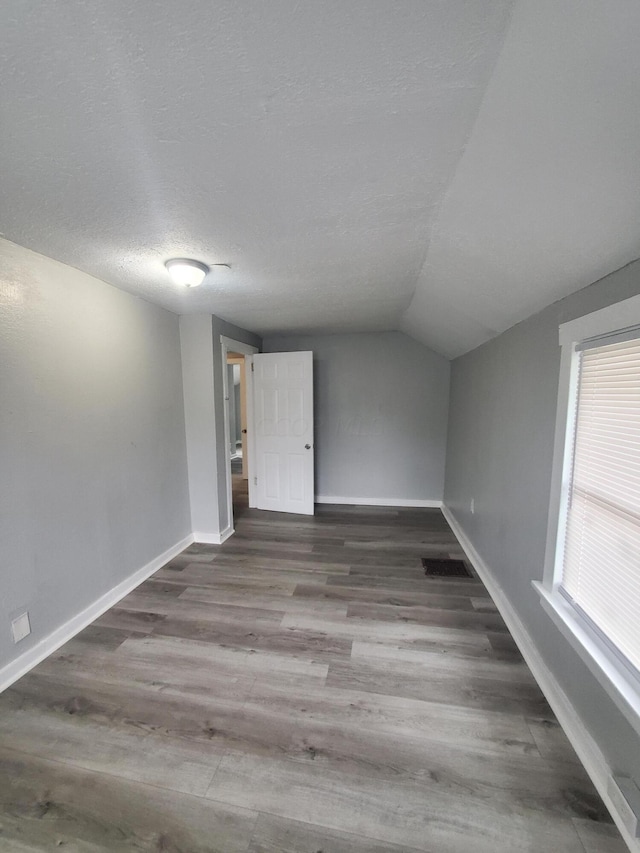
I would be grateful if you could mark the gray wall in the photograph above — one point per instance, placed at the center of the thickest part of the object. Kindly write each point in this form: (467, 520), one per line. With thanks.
(381, 415)
(196, 340)
(500, 449)
(92, 440)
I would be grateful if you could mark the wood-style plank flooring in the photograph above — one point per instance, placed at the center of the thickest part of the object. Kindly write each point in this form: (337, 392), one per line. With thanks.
(302, 688)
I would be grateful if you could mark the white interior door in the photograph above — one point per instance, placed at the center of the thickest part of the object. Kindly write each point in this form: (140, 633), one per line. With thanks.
(283, 417)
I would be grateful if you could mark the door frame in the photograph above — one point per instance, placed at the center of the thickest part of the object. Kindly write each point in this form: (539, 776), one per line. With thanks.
(230, 345)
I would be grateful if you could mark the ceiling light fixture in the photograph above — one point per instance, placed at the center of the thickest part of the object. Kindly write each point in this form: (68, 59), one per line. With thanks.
(186, 272)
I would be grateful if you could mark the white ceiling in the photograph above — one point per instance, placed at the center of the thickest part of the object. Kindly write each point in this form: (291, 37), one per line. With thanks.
(446, 168)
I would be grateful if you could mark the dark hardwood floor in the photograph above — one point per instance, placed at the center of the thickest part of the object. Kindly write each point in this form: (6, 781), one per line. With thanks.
(303, 688)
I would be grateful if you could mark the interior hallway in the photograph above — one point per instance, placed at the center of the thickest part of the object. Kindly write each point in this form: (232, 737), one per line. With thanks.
(301, 688)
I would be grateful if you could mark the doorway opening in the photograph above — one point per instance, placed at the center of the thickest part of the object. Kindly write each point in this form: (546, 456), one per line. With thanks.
(238, 449)
(275, 406)
(237, 361)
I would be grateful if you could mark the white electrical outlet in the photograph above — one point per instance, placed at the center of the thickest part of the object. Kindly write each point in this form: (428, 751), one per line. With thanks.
(625, 797)
(473, 506)
(20, 627)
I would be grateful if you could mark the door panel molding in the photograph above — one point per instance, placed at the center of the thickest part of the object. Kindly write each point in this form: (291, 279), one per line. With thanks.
(283, 430)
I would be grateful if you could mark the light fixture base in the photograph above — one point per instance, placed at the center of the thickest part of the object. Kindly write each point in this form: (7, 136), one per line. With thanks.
(186, 272)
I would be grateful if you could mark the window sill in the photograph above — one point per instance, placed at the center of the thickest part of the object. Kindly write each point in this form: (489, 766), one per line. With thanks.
(610, 673)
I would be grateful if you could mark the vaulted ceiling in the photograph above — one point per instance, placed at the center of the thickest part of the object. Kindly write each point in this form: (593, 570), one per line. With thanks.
(444, 167)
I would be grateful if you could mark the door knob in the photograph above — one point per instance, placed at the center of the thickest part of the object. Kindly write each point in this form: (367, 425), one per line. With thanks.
(307, 447)
(244, 432)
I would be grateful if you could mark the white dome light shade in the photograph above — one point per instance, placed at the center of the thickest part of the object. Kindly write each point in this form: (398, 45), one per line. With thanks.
(186, 272)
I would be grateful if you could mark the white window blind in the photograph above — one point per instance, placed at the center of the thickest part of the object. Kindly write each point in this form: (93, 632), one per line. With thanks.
(601, 567)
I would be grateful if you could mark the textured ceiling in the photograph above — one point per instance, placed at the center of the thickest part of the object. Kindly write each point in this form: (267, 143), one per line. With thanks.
(546, 199)
(442, 167)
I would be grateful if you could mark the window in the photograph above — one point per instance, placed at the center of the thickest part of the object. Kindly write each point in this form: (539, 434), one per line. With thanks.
(600, 571)
(592, 573)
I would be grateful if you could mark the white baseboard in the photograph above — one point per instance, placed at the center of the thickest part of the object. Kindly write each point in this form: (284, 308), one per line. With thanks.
(43, 648)
(333, 499)
(585, 746)
(213, 538)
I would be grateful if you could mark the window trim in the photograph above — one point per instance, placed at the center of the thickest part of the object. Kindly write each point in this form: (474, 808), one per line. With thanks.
(601, 659)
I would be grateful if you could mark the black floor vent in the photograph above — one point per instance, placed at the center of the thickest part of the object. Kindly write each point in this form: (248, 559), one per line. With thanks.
(445, 568)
